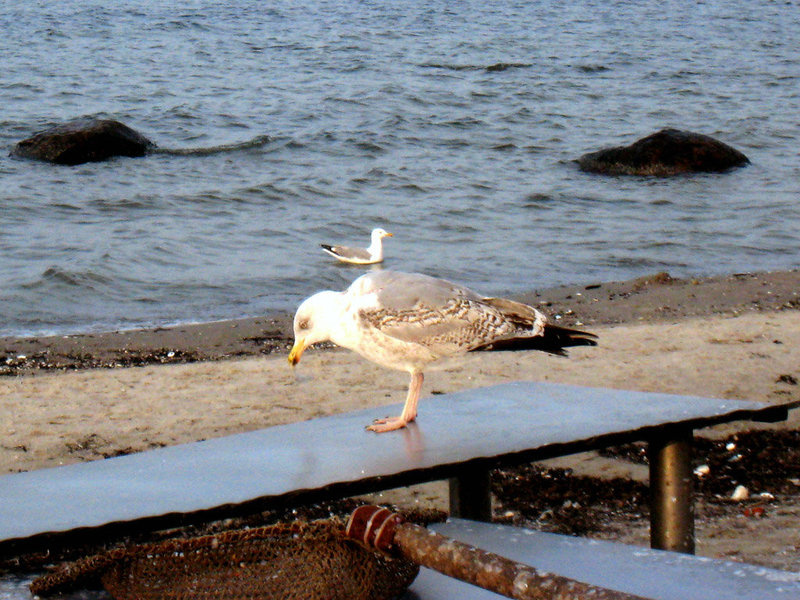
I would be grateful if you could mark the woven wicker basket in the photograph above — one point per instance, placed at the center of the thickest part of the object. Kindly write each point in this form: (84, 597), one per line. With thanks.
(300, 561)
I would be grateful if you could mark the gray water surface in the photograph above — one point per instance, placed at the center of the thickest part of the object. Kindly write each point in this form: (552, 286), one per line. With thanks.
(452, 124)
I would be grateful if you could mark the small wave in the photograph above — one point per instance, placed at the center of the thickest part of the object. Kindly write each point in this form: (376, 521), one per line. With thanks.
(184, 23)
(592, 68)
(466, 122)
(295, 145)
(537, 200)
(414, 188)
(369, 147)
(58, 276)
(447, 67)
(65, 207)
(119, 205)
(506, 66)
(493, 68)
(256, 142)
(21, 86)
(642, 263)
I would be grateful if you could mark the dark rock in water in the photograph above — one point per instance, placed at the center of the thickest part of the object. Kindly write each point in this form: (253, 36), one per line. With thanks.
(83, 140)
(666, 152)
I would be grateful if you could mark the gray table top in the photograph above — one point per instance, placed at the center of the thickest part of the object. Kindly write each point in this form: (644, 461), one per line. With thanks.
(522, 420)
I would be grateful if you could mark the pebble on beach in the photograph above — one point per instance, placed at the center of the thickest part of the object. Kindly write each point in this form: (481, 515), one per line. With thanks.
(740, 493)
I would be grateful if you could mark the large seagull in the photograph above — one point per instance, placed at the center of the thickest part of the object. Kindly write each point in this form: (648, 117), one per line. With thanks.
(407, 321)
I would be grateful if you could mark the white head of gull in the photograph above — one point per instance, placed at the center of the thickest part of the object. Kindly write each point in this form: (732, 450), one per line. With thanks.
(407, 321)
(360, 256)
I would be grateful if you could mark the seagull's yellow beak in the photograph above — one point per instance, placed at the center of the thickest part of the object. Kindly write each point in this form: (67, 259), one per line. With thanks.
(389, 234)
(297, 351)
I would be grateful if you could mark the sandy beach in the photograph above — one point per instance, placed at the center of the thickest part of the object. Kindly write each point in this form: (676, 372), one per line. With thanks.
(77, 398)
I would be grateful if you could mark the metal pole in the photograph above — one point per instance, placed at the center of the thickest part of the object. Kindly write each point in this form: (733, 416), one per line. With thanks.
(381, 529)
(671, 491)
(470, 495)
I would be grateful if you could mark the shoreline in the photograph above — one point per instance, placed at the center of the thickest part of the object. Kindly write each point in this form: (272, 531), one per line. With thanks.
(650, 299)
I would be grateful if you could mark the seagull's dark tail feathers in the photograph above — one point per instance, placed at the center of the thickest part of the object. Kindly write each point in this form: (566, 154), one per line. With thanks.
(553, 341)
(327, 247)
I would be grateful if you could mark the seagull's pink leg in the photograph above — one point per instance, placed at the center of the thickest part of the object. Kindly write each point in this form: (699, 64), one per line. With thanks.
(409, 409)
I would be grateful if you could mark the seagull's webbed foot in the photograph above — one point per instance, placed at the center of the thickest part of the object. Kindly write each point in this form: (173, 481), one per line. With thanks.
(409, 410)
(387, 424)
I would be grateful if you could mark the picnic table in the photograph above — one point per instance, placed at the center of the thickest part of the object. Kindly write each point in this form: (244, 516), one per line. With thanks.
(460, 437)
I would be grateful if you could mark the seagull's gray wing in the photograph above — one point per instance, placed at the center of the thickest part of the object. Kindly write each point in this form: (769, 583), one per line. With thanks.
(347, 253)
(444, 317)
(399, 291)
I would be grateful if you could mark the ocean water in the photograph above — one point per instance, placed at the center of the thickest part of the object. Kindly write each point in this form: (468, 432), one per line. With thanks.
(453, 125)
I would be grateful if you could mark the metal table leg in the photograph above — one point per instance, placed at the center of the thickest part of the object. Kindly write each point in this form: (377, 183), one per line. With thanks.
(470, 495)
(671, 491)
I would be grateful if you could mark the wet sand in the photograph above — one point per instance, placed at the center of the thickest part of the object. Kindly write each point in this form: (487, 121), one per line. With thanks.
(654, 299)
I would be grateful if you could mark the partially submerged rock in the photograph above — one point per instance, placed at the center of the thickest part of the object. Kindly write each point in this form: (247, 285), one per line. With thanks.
(82, 141)
(666, 152)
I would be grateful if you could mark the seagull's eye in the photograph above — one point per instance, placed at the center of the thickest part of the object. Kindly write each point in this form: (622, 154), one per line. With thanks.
(304, 324)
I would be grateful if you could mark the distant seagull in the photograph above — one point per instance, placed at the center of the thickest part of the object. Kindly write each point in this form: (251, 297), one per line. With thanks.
(406, 321)
(360, 256)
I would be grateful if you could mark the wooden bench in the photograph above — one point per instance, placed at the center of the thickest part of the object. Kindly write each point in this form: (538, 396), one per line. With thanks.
(655, 574)
(459, 436)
